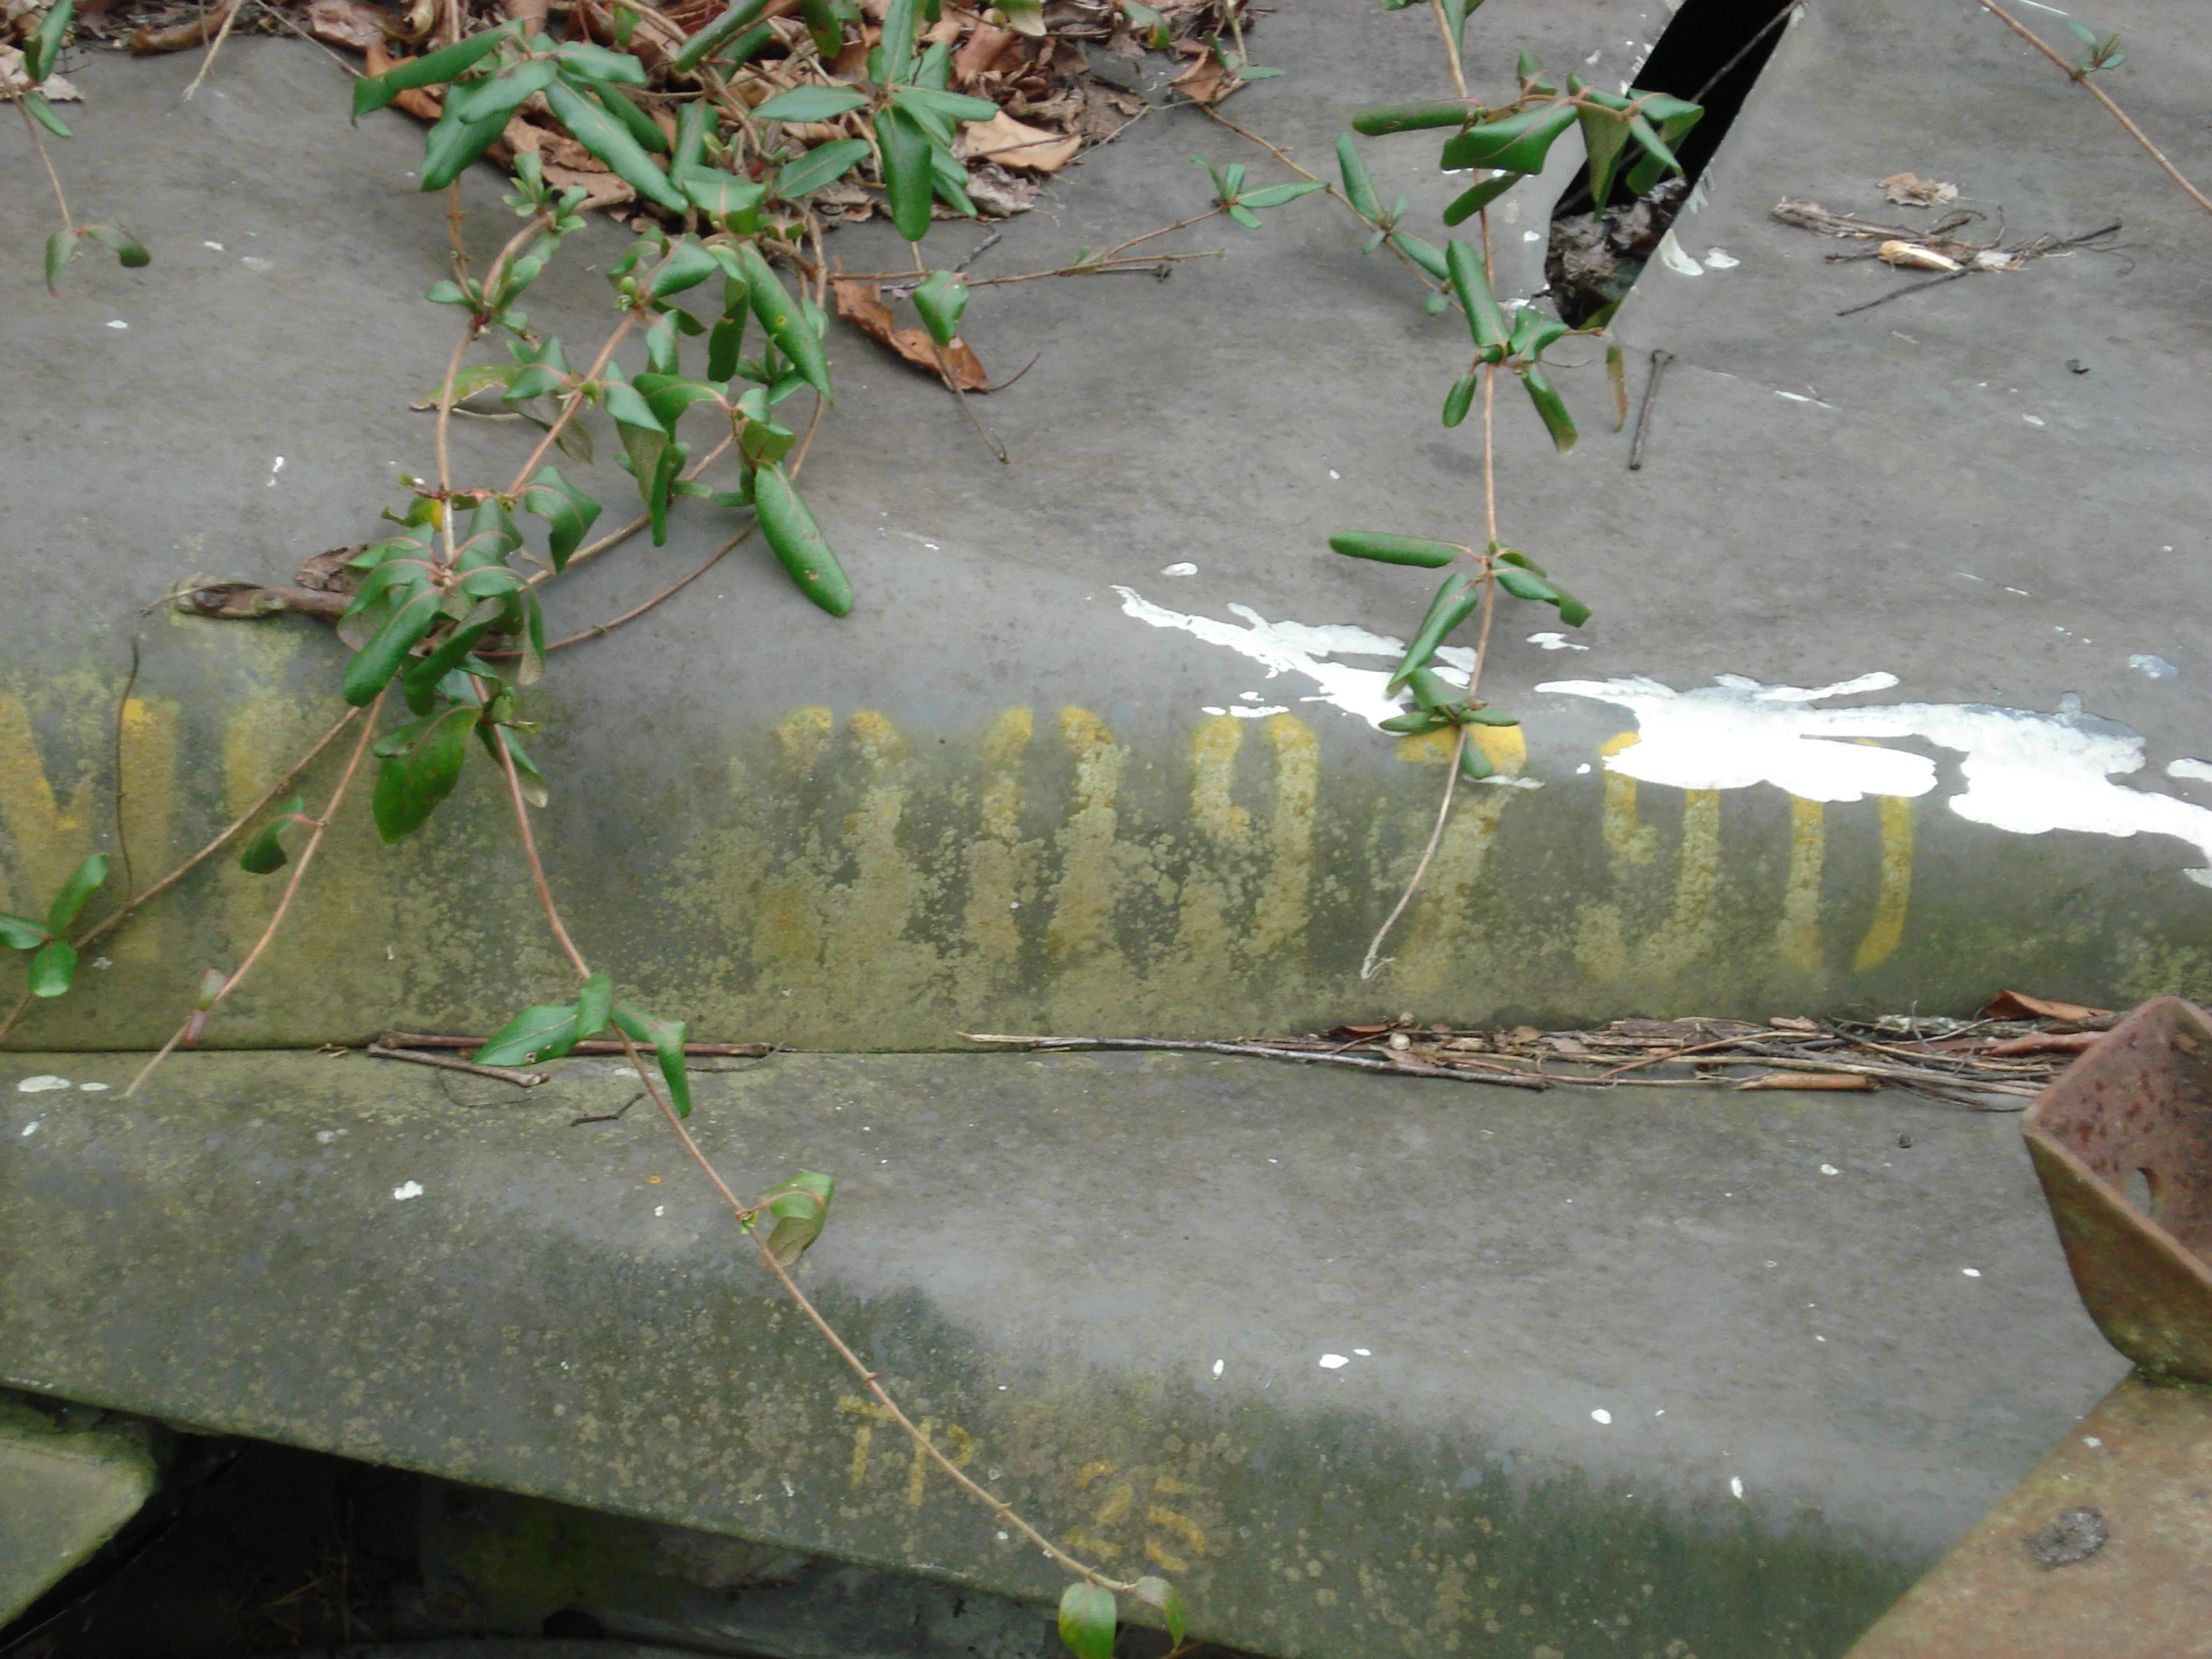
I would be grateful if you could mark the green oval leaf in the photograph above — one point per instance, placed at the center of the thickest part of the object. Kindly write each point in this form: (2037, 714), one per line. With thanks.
(377, 662)
(53, 968)
(1452, 605)
(1407, 117)
(1395, 550)
(708, 40)
(1460, 399)
(44, 48)
(1464, 207)
(786, 324)
(811, 104)
(83, 882)
(797, 541)
(412, 780)
(609, 140)
(265, 854)
(545, 1032)
(905, 151)
(941, 300)
(448, 63)
(822, 165)
(20, 933)
(667, 1039)
(1551, 408)
(1159, 1593)
(593, 1005)
(1468, 281)
(1358, 188)
(1087, 1620)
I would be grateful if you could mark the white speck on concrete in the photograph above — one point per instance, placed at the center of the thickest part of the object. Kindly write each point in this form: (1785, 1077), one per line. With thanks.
(1736, 1484)
(1582, 770)
(1972, 1273)
(1336, 476)
(1531, 236)
(1830, 1169)
(1678, 259)
(31, 1128)
(41, 1084)
(1554, 642)
(2156, 667)
(2196, 770)
(1333, 1362)
(253, 262)
(1185, 569)
(118, 322)
(1217, 1363)
(660, 1209)
(2091, 1441)
(1720, 259)
(103, 963)
(1601, 1414)
(217, 246)
(324, 1137)
(2033, 421)
(92, 1088)
(407, 1190)
(1364, 1353)
(1002, 1537)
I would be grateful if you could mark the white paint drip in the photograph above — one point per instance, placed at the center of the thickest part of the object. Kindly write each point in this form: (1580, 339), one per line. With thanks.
(1303, 648)
(1972, 1273)
(1678, 259)
(2156, 667)
(1601, 1415)
(1333, 1362)
(41, 1084)
(407, 1190)
(2024, 772)
(1185, 569)
(1720, 259)
(1736, 1484)
(1218, 1365)
(1554, 642)
(31, 1128)
(93, 1088)
(2196, 771)
(1246, 712)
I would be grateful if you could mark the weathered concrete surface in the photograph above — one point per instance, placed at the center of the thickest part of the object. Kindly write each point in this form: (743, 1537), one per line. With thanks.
(1108, 1282)
(65, 1490)
(993, 797)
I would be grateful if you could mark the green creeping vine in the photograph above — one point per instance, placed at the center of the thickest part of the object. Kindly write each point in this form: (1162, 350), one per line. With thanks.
(41, 55)
(1504, 144)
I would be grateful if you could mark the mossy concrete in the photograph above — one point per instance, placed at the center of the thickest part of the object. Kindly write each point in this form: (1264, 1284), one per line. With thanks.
(991, 799)
(69, 1481)
(1618, 1372)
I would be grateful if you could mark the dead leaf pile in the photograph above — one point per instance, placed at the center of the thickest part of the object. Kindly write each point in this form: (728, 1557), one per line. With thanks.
(1910, 190)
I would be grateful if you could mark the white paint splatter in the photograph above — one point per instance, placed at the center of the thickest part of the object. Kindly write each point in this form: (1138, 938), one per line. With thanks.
(1303, 648)
(1333, 1362)
(41, 1084)
(1217, 1363)
(2033, 421)
(1364, 1353)
(119, 323)
(1736, 1484)
(93, 1088)
(2024, 772)
(1720, 259)
(660, 1209)
(217, 246)
(31, 1128)
(1678, 259)
(1972, 1273)
(1185, 569)
(407, 1190)
(1601, 1414)
(2156, 667)
(1245, 712)
(254, 263)
(2197, 771)
(1830, 1169)
(324, 1137)
(2091, 1441)
(1554, 642)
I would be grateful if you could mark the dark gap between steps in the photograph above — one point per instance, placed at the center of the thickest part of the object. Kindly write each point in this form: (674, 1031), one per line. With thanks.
(1717, 48)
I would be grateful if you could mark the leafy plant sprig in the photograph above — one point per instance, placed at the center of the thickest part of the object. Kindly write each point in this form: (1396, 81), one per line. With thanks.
(53, 966)
(41, 56)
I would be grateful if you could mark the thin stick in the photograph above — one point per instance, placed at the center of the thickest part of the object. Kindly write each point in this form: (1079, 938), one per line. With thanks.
(1659, 361)
(599, 630)
(1369, 968)
(445, 420)
(1750, 46)
(122, 711)
(284, 904)
(230, 16)
(1504, 1076)
(590, 1045)
(944, 371)
(1151, 265)
(2080, 78)
(445, 1062)
(1898, 294)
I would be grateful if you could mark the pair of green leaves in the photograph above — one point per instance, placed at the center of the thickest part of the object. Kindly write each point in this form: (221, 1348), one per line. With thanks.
(1518, 347)
(548, 1031)
(2104, 51)
(1088, 1615)
(64, 246)
(1243, 204)
(53, 958)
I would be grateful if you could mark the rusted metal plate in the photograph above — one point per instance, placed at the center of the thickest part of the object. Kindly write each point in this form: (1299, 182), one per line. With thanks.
(2123, 1144)
(2100, 1551)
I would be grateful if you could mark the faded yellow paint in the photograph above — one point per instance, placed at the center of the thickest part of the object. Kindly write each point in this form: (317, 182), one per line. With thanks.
(1083, 900)
(1896, 889)
(1120, 1497)
(1798, 937)
(1440, 930)
(996, 876)
(1503, 745)
(1213, 808)
(1163, 1560)
(51, 839)
(803, 738)
(1628, 839)
(147, 748)
(1690, 928)
(1280, 916)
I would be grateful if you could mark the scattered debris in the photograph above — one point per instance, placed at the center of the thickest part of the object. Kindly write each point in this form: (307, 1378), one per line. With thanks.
(1989, 1065)
(2075, 1536)
(1910, 190)
(1896, 252)
(1592, 265)
(1936, 248)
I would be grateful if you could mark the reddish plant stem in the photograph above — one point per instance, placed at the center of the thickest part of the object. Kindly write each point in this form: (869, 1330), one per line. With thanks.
(575, 403)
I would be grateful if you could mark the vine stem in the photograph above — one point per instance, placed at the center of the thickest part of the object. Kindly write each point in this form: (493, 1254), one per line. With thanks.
(575, 403)
(284, 904)
(1452, 48)
(745, 1213)
(2080, 78)
(869, 1378)
(69, 222)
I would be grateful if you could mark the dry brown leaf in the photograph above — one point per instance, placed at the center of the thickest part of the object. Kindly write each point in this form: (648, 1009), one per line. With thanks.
(1012, 142)
(352, 24)
(861, 304)
(2019, 1006)
(997, 193)
(56, 89)
(1910, 190)
(180, 37)
(981, 53)
(1207, 81)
